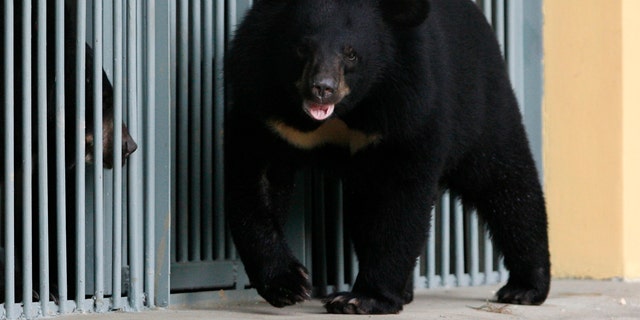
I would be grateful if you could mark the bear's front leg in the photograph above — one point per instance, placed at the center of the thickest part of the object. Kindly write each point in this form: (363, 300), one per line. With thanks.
(258, 192)
(387, 214)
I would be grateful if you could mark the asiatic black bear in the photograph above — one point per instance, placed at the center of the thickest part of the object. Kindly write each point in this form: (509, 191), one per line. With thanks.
(402, 98)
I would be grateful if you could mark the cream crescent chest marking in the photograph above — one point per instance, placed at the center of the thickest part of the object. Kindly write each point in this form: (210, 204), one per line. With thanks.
(332, 132)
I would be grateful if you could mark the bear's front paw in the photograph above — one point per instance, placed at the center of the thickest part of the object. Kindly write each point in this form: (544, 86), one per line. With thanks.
(354, 303)
(286, 286)
(516, 294)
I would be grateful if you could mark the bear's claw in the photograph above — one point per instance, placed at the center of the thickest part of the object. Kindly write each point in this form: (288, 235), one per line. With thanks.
(288, 287)
(354, 303)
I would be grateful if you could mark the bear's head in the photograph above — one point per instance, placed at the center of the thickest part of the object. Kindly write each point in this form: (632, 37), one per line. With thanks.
(322, 57)
(128, 145)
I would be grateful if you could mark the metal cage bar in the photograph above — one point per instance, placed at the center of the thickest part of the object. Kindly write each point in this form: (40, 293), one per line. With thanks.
(458, 227)
(9, 169)
(182, 160)
(208, 201)
(194, 109)
(27, 163)
(80, 118)
(149, 155)
(134, 190)
(218, 128)
(43, 181)
(118, 61)
(474, 248)
(98, 176)
(60, 176)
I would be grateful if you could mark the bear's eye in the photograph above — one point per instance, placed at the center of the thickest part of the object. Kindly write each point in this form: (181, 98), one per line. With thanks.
(350, 55)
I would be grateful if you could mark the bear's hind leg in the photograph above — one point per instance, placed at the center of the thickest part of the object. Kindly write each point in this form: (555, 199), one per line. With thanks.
(505, 189)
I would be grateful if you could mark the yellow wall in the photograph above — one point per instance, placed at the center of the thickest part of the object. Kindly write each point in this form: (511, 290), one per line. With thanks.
(591, 101)
(631, 132)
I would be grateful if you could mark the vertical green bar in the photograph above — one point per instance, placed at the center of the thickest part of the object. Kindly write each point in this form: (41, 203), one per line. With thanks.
(515, 48)
(117, 153)
(98, 204)
(341, 284)
(458, 221)
(183, 133)
(172, 125)
(218, 128)
(319, 210)
(43, 181)
(61, 209)
(27, 164)
(195, 132)
(474, 249)
(533, 77)
(9, 165)
(431, 252)
(150, 150)
(487, 8)
(81, 57)
(207, 133)
(488, 260)
(499, 24)
(136, 231)
(161, 106)
(445, 240)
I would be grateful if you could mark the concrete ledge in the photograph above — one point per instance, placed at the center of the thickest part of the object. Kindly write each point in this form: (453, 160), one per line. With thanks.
(569, 299)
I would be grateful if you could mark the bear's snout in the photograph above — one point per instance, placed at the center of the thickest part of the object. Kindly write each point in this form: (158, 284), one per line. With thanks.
(323, 89)
(322, 79)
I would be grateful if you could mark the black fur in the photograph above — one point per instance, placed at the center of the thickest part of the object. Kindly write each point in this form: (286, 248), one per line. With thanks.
(424, 82)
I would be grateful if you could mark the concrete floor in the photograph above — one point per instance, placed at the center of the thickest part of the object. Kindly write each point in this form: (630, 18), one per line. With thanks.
(569, 299)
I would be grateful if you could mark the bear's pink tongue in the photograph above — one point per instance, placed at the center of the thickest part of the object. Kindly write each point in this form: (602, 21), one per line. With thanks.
(320, 111)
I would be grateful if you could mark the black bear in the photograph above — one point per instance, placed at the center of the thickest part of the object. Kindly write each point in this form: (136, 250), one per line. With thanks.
(401, 98)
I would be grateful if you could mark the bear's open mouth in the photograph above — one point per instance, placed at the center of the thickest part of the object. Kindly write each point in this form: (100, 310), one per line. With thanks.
(318, 111)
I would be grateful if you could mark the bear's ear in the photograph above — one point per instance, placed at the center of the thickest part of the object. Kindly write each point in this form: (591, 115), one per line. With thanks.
(407, 13)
